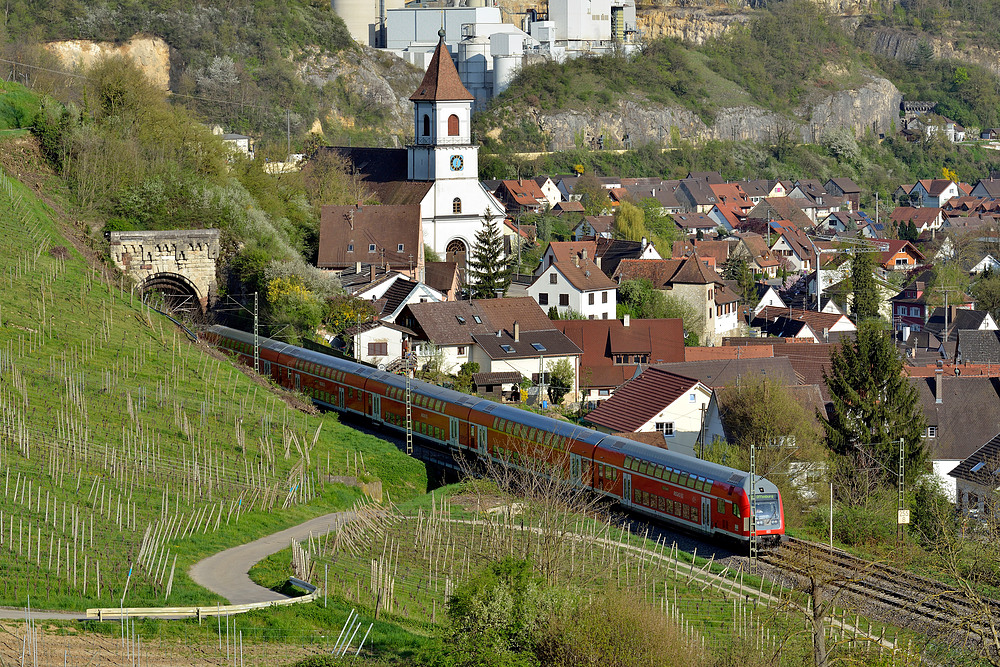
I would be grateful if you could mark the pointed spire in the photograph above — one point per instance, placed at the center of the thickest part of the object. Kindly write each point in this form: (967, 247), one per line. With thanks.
(441, 81)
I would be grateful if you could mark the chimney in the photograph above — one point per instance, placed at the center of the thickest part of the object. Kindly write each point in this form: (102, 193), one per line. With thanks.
(598, 260)
(644, 242)
(626, 320)
(938, 378)
(357, 267)
(499, 333)
(583, 253)
(517, 332)
(826, 334)
(576, 261)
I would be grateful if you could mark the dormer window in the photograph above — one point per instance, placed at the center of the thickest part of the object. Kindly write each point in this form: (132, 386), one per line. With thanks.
(461, 320)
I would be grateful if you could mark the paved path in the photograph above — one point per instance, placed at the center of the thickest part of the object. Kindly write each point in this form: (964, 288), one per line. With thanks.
(225, 573)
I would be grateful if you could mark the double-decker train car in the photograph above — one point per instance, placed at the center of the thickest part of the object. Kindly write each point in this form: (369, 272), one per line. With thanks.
(698, 495)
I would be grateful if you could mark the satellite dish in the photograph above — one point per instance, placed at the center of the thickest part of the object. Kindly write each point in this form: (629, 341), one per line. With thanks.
(381, 367)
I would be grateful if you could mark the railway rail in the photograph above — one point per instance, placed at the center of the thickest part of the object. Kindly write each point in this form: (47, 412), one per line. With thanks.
(910, 599)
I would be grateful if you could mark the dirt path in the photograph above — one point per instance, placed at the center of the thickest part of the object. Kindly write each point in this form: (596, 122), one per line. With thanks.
(225, 573)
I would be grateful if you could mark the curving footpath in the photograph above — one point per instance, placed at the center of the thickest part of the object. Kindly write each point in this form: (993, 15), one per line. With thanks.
(226, 573)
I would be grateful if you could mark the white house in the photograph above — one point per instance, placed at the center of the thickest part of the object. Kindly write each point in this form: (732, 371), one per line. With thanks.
(657, 401)
(549, 189)
(378, 343)
(987, 263)
(935, 192)
(530, 353)
(768, 296)
(577, 285)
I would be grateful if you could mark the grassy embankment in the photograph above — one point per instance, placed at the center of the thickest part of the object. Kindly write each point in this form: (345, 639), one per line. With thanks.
(115, 425)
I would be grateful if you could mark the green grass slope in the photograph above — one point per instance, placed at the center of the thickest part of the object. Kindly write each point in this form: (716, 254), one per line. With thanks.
(125, 446)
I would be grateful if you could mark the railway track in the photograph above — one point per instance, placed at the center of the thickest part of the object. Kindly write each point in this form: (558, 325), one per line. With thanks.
(909, 600)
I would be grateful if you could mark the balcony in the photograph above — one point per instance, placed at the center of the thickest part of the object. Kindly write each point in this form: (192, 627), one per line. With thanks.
(442, 141)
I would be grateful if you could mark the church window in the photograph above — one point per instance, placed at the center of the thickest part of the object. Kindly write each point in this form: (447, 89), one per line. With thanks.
(453, 125)
(427, 125)
(456, 205)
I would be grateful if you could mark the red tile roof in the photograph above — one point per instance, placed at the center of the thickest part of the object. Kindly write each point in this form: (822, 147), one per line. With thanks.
(600, 340)
(522, 192)
(638, 401)
(585, 275)
(347, 232)
(934, 186)
(441, 81)
(657, 271)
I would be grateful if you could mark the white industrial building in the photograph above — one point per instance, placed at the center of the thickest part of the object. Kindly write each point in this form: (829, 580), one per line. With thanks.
(489, 52)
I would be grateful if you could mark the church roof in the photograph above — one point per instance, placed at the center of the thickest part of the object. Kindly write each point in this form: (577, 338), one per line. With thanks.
(441, 80)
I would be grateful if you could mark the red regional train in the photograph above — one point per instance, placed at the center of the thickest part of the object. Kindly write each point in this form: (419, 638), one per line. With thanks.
(698, 495)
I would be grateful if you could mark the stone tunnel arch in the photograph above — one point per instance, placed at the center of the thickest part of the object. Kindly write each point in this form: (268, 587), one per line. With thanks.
(179, 294)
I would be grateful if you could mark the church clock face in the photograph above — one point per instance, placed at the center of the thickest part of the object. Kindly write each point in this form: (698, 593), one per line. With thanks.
(457, 162)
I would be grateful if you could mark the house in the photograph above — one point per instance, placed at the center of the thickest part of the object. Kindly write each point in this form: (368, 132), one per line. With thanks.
(898, 255)
(718, 373)
(761, 189)
(575, 284)
(614, 349)
(549, 190)
(767, 296)
(847, 188)
(239, 144)
(530, 353)
(656, 401)
(922, 218)
(610, 252)
(400, 293)
(444, 277)
(845, 222)
(443, 331)
(521, 196)
(602, 226)
(753, 248)
(991, 134)
(959, 318)
(390, 236)
(692, 281)
(815, 202)
(499, 386)
(987, 187)
(987, 263)
(693, 223)
(812, 325)
(793, 246)
(574, 206)
(710, 177)
(695, 195)
(378, 343)
(934, 192)
(566, 186)
(655, 188)
(781, 208)
(715, 253)
(977, 347)
(909, 307)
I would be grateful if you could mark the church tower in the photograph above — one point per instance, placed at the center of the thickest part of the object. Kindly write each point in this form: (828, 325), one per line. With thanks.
(442, 125)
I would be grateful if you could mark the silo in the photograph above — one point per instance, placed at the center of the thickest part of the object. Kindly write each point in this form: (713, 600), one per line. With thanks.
(474, 67)
(508, 51)
(360, 17)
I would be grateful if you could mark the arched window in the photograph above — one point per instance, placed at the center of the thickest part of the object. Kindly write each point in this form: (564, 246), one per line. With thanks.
(453, 125)
(427, 125)
(456, 246)
(456, 205)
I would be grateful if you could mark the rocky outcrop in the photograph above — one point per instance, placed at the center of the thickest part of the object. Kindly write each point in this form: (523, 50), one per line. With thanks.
(689, 25)
(902, 45)
(381, 81)
(151, 54)
(874, 104)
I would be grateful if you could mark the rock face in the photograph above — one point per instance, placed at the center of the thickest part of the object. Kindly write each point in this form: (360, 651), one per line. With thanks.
(151, 54)
(875, 105)
(382, 82)
(689, 25)
(902, 45)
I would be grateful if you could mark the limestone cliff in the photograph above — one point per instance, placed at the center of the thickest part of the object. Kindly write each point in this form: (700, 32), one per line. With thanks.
(151, 54)
(691, 25)
(873, 104)
(902, 45)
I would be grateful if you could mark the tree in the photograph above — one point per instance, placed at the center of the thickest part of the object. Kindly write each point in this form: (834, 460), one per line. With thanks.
(736, 268)
(630, 222)
(874, 406)
(866, 296)
(489, 270)
(560, 379)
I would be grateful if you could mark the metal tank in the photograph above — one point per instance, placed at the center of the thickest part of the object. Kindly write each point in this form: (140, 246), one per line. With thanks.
(508, 51)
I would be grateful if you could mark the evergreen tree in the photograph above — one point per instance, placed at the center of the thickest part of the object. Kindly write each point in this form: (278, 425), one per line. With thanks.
(489, 269)
(866, 296)
(874, 405)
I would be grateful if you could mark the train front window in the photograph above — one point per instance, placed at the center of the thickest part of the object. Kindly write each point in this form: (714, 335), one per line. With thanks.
(767, 510)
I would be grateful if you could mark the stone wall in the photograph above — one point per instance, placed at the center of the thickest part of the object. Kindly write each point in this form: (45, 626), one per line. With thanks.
(185, 258)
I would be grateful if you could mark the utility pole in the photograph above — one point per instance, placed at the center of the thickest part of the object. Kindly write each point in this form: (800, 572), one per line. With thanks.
(288, 131)
(902, 514)
(256, 335)
(753, 508)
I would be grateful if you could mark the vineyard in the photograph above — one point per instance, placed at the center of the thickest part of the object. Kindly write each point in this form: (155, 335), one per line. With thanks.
(127, 450)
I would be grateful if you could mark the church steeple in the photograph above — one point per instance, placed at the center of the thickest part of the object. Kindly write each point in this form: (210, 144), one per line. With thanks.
(441, 81)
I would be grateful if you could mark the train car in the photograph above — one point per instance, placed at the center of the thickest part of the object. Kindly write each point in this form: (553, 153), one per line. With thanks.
(698, 495)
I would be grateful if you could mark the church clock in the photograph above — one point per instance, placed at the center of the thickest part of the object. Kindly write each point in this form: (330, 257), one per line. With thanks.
(457, 162)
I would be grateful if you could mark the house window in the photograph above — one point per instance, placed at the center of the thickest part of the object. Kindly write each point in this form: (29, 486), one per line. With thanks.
(590, 299)
(564, 299)
(931, 432)
(371, 247)
(427, 125)
(378, 349)
(456, 205)
(914, 312)
(604, 316)
(590, 317)
(553, 278)
(692, 397)
(399, 247)
(350, 247)
(902, 261)
(543, 298)
(453, 125)
(604, 298)
(666, 428)
(901, 310)
(461, 350)
(603, 392)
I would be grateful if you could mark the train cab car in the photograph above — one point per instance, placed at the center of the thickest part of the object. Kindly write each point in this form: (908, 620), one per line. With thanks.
(531, 441)
(770, 511)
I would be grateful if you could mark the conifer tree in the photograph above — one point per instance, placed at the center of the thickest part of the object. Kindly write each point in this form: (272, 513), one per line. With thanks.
(874, 405)
(866, 296)
(489, 269)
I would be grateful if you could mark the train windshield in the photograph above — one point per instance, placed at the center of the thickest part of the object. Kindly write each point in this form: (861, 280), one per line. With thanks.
(767, 510)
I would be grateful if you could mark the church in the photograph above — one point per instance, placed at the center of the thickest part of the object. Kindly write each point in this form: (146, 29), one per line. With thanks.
(439, 171)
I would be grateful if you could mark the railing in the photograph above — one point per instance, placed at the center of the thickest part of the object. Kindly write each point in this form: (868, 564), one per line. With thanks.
(117, 613)
(442, 141)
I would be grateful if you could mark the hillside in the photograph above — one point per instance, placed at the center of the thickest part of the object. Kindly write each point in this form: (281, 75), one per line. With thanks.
(125, 444)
